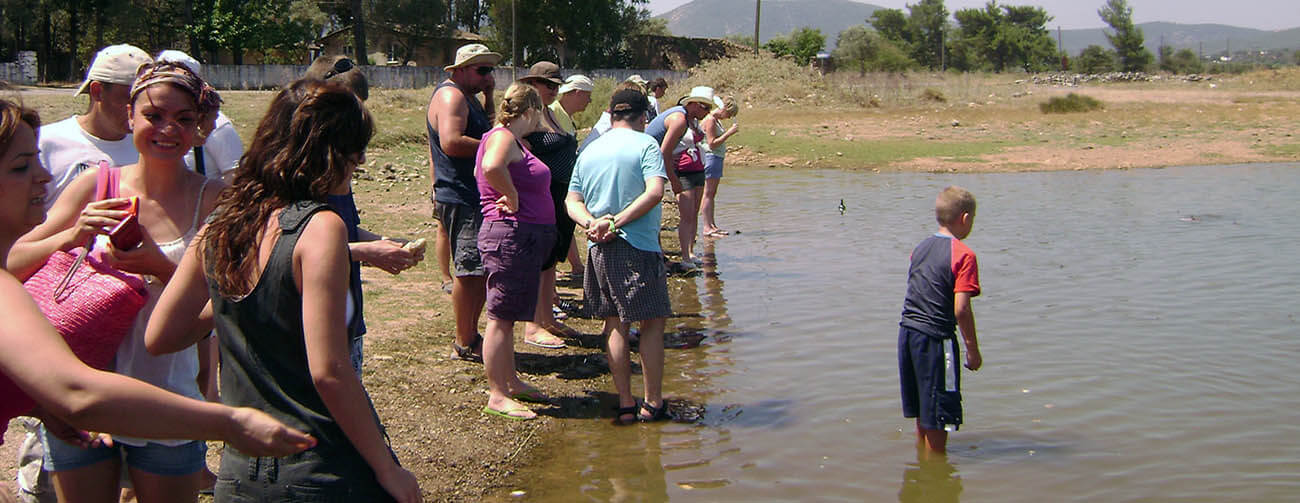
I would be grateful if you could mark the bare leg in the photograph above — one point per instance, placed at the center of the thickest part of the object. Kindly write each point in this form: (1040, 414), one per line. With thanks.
(652, 360)
(706, 204)
(442, 250)
(935, 440)
(687, 206)
(499, 360)
(575, 261)
(544, 321)
(153, 488)
(97, 483)
(467, 298)
(620, 360)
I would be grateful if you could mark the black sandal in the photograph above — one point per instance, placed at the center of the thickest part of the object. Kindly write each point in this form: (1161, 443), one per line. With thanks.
(659, 413)
(631, 410)
(471, 353)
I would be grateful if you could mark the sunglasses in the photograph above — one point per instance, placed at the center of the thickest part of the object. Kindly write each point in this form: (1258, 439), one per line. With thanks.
(340, 66)
(484, 70)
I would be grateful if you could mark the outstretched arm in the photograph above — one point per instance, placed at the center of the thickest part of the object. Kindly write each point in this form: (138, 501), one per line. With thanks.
(103, 401)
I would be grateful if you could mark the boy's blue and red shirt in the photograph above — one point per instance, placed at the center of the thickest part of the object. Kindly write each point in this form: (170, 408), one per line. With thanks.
(941, 267)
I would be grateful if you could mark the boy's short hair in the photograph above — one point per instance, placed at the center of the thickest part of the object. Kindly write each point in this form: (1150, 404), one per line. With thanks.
(340, 69)
(952, 202)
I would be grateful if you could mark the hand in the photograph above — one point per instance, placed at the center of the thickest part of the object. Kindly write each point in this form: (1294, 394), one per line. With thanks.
(735, 127)
(973, 359)
(676, 184)
(602, 230)
(70, 434)
(144, 259)
(98, 217)
(257, 434)
(385, 254)
(400, 484)
(507, 205)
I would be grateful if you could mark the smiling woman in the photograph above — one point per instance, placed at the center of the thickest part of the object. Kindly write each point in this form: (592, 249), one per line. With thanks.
(170, 108)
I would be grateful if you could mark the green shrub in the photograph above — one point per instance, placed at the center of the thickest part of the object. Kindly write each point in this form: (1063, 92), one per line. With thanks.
(932, 94)
(1070, 103)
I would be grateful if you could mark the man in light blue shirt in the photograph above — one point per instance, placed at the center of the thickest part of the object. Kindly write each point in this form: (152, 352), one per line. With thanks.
(620, 177)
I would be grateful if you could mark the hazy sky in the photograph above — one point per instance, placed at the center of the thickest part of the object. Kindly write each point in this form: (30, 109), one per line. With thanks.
(1069, 14)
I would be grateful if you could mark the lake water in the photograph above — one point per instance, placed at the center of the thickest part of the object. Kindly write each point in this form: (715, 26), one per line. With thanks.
(1138, 329)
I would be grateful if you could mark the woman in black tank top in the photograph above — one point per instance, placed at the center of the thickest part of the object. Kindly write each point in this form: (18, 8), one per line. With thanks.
(286, 311)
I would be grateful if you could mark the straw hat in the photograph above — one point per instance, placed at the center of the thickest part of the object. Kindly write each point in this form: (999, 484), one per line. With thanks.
(115, 64)
(473, 54)
(638, 80)
(577, 83)
(544, 70)
(699, 94)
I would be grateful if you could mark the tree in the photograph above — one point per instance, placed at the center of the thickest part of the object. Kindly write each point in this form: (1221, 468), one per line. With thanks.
(1095, 59)
(866, 50)
(921, 33)
(358, 32)
(1185, 62)
(802, 45)
(655, 26)
(573, 33)
(470, 15)
(1004, 36)
(1125, 38)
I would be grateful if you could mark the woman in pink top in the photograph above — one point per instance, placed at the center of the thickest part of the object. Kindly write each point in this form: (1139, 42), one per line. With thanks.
(517, 235)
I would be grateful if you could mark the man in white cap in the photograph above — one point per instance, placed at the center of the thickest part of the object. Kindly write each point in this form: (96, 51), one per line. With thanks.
(221, 148)
(71, 145)
(575, 95)
(455, 122)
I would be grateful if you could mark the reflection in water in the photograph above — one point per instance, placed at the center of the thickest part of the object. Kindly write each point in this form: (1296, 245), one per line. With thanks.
(642, 479)
(931, 480)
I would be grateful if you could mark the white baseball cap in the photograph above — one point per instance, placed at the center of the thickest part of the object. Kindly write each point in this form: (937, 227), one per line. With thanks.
(115, 64)
(577, 83)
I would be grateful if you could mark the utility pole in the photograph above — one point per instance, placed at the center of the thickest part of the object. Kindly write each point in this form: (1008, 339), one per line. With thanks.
(758, 10)
(514, 43)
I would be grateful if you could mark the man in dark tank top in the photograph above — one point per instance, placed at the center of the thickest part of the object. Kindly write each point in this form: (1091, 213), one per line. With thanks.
(456, 121)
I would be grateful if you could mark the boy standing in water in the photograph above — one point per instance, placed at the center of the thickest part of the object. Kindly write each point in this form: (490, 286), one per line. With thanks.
(940, 283)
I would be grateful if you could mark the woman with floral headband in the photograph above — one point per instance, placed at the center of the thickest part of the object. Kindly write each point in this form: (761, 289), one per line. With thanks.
(168, 107)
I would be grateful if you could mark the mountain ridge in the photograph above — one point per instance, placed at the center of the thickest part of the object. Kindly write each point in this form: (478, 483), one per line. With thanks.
(719, 18)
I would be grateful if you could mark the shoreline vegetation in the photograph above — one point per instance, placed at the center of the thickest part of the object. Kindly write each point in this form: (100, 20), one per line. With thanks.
(790, 117)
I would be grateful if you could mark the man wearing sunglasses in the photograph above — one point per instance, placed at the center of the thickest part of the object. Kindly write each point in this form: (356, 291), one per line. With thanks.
(456, 121)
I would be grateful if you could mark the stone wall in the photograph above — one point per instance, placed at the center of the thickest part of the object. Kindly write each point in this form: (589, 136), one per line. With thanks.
(22, 71)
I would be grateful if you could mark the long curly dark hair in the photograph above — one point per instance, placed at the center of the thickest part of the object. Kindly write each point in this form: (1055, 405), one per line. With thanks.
(310, 138)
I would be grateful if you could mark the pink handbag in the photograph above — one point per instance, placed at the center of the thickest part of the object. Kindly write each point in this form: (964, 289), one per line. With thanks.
(97, 305)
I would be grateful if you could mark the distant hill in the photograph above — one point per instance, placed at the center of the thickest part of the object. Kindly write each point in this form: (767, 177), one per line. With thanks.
(1214, 38)
(719, 18)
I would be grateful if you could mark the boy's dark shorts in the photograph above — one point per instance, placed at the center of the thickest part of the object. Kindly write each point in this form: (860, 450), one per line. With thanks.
(513, 253)
(462, 223)
(691, 180)
(625, 282)
(931, 383)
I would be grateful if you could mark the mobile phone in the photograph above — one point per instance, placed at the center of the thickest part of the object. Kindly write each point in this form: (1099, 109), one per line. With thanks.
(127, 235)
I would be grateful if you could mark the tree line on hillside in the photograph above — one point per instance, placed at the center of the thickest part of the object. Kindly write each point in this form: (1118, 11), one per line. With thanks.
(66, 33)
(995, 38)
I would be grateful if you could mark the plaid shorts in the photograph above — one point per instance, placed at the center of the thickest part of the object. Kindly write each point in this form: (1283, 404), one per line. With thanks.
(623, 281)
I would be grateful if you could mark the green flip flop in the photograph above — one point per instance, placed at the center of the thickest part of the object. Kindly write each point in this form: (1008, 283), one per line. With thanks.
(506, 413)
(531, 394)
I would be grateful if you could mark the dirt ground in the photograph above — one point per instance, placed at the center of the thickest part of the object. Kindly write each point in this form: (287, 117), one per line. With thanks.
(431, 403)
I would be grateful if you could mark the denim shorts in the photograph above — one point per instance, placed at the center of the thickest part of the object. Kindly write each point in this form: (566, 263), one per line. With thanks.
(513, 253)
(158, 459)
(312, 475)
(712, 166)
(462, 223)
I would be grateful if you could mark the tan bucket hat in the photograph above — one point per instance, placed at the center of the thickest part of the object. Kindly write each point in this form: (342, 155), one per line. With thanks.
(473, 54)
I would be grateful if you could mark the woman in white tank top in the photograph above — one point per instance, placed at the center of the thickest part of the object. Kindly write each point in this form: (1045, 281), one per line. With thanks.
(168, 103)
